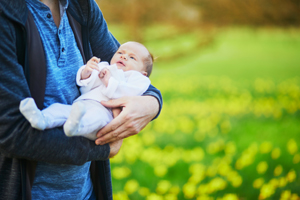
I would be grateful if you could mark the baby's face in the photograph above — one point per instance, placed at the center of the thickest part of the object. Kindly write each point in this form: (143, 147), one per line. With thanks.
(130, 56)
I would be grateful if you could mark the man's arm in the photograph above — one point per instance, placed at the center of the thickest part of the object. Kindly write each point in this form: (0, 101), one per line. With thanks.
(137, 111)
(17, 138)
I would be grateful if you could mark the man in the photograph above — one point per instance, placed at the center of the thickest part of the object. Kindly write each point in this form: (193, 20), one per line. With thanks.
(38, 39)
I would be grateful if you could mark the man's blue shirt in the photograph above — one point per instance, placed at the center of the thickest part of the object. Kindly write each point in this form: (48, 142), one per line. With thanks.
(63, 59)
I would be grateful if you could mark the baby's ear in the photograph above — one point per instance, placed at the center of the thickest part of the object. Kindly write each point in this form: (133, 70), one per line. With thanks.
(144, 73)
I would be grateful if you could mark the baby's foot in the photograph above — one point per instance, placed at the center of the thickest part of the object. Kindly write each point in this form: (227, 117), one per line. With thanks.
(71, 127)
(30, 111)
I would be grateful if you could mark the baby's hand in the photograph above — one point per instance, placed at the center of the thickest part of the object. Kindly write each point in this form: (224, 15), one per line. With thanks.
(104, 75)
(89, 67)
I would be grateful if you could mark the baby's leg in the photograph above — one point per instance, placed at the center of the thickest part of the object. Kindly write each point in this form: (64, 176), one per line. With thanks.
(53, 116)
(72, 124)
(95, 118)
(56, 115)
(31, 112)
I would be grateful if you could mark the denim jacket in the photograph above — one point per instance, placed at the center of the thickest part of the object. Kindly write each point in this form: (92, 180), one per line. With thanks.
(21, 146)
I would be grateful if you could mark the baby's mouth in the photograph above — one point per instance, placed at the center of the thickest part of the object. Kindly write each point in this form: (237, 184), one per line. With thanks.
(120, 63)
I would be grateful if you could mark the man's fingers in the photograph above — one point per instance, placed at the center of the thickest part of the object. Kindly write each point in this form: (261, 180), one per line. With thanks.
(114, 103)
(112, 126)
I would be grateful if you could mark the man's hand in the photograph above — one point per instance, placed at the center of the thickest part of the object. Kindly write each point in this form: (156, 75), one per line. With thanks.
(104, 76)
(115, 148)
(89, 67)
(136, 113)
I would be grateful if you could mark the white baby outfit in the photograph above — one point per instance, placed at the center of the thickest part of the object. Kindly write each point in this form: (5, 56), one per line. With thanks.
(87, 112)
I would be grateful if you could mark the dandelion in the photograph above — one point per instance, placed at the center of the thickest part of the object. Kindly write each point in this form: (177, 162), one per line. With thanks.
(153, 196)
(262, 167)
(285, 195)
(120, 196)
(174, 190)
(275, 153)
(258, 183)
(278, 170)
(294, 197)
(282, 182)
(189, 190)
(236, 181)
(291, 176)
(160, 170)
(296, 158)
(274, 182)
(218, 184)
(266, 191)
(292, 146)
(120, 172)
(230, 148)
(163, 186)
(170, 197)
(265, 147)
(143, 191)
(205, 197)
(230, 197)
(131, 186)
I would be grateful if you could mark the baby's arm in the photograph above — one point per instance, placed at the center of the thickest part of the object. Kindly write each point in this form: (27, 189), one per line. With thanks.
(104, 76)
(89, 67)
(134, 85)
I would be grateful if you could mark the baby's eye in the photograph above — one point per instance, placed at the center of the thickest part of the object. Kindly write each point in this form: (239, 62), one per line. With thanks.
(119, 52)
(132, 57)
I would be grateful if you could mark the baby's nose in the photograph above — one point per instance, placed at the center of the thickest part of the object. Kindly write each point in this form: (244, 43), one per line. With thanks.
(124, 57)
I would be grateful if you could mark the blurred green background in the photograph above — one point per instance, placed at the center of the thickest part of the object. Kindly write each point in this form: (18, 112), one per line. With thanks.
(229, 73)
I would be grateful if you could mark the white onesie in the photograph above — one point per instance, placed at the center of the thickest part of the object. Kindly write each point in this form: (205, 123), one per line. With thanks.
(87, 115)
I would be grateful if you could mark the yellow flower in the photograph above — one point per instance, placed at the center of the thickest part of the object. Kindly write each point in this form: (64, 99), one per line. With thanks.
(120, 172)
(278, 170)
(230, 148)
(205, 197)
(189, 190)
(294, 197)
(163, 186)
(236, 181)
(265, 147)
(171, 197)
(262, 167)
(266, 191)
(160, 170)
(120, 196)
(274, 182)
(258, 183)
(275, 153)
(153, 196)
(230, 197)
(296, 158)
(143, 191)
(285, 195)
(217, 184)
(292, 146)
(282, 182)
(174, 190)
(131, 186)
(291, 176)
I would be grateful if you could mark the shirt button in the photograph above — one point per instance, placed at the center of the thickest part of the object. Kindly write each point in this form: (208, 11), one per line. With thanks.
(63, 49)
(49, 15)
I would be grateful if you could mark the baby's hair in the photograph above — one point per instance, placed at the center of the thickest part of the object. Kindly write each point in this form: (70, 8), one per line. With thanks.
(148, 62)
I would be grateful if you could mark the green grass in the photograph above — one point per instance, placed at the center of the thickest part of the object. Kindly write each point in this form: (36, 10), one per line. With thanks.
(228, 94)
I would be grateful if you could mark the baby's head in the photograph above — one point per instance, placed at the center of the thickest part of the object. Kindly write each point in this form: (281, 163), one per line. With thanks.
(133, 56)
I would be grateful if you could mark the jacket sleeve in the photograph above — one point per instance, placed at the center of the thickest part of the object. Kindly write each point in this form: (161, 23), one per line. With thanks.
(104, 45)
(17, 138)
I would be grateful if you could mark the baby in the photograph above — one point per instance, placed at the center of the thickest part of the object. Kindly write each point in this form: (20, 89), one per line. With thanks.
(127, 75)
